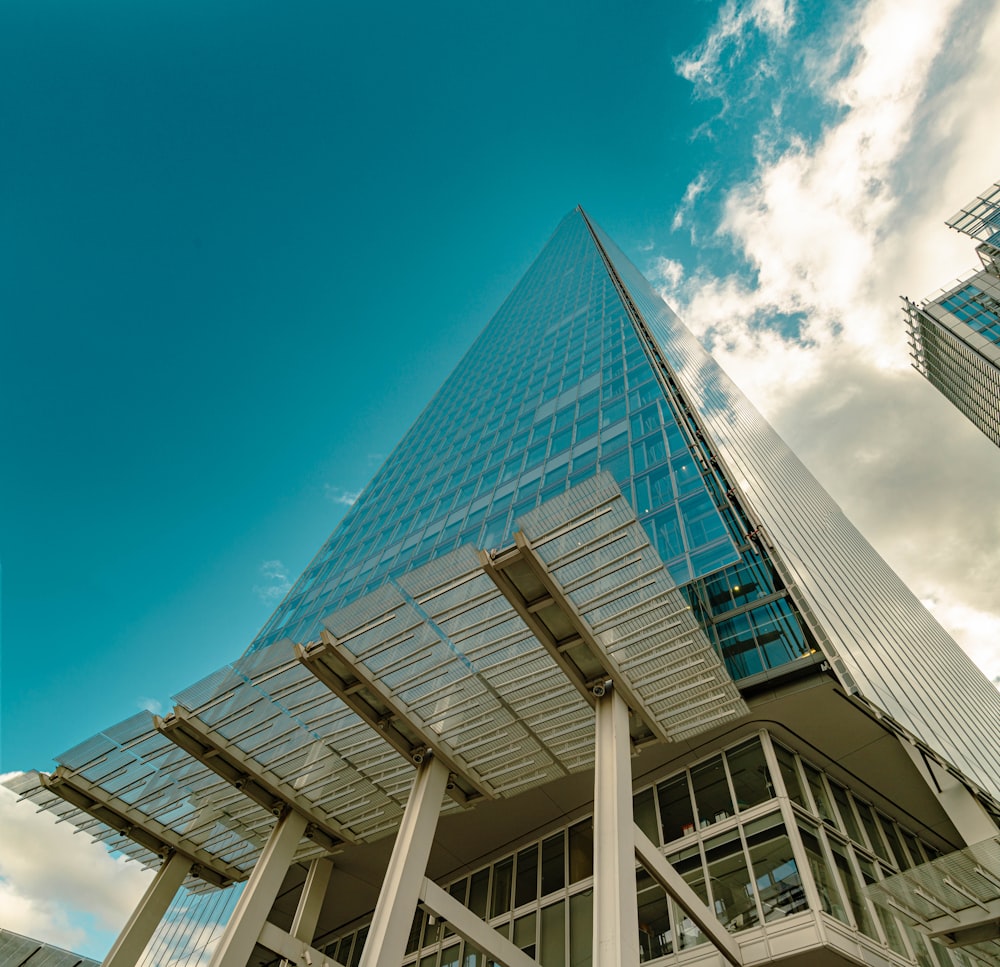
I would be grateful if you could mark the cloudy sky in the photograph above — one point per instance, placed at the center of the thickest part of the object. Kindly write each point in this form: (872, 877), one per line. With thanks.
(240, 248)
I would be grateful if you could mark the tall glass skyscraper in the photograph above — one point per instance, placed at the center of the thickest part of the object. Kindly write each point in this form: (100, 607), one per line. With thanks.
(955, 335)
(585, 368)
(850, 751)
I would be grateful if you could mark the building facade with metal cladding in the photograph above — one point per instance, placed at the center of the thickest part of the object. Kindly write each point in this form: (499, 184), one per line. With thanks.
(593, 672)
(955, 334)
(19, 951)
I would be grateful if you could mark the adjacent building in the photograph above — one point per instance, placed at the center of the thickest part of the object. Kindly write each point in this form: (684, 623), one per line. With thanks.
(20, 951)
(593, 672)
(955, 335)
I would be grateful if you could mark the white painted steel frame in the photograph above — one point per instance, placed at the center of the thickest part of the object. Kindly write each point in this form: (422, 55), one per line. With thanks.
(616, 912)
(258, 897)
(146, 917)
(400, 893)
(471, 928)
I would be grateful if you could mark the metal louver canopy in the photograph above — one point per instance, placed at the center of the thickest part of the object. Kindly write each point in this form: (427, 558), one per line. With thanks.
(955, 899)
(488, 661)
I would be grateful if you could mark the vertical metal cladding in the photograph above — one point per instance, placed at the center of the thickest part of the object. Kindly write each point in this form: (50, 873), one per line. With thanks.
(894, 652)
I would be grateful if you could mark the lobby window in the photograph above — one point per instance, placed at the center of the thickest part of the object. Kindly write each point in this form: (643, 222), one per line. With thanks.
(655, 934)
(711, 791)
(775, 871)
(730, 882)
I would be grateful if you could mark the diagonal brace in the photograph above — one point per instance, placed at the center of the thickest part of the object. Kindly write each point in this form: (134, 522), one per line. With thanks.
(689, 901)
(471, 929)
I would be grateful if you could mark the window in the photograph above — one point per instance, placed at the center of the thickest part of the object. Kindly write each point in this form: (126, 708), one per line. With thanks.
(774, 868)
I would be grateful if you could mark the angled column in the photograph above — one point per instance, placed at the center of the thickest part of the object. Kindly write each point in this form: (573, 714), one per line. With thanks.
(311, 902)
(689, 901)
(616, 914)
(473, 929)
(254, 905)
(404, 878)
(147, 915)
(965, 811)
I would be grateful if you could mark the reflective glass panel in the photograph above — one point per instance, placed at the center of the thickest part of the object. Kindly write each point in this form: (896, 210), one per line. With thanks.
(655, 937)
(581, 928)
(776, 873)
(526, 888)
(750, 775)
(688, 863)
(644, 814)
(676, 810)
(502, 883)
(826, 885)
(581, 851)
(553, 863)
(859, 906)
(730, 881)
(711, 791)
(552, 934)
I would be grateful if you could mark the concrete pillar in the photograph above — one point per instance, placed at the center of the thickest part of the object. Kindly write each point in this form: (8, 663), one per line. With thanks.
(616, 914)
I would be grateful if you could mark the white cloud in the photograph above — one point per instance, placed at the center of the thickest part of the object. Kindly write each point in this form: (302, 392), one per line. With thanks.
(667, 273)
(152, 705)
(277, 583)
(339, 495)
(691, 193)
(56, 885)
(708, 64)
(837, 226)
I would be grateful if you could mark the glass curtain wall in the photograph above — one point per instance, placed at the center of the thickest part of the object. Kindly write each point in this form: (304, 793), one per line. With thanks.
(758, 832)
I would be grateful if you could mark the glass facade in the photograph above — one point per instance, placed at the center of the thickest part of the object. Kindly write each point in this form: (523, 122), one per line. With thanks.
(755, 849)
(879, 638)
(582, 369)
(955, 337)
(977, 309)
(556, 388)
(21, 951)
(955, 343)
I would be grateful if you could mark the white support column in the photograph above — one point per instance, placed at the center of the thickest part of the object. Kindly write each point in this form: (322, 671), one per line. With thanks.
(147, 915)
(616, 914)
(254, 905)
(397, 900)
(311, 902)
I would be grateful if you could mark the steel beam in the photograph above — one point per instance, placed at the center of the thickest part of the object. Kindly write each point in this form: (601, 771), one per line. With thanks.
(347, 678)
(258, 897)
(397, 900)
(689, 901)
(616, 913)
(495, 567)
(583, 635)
(137, 826)
(294, 951)
(471, 928)
(310, 902)
(146, 917)
(245, 774)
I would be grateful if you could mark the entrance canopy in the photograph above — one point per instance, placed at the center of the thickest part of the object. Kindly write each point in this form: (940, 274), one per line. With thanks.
(489, 661)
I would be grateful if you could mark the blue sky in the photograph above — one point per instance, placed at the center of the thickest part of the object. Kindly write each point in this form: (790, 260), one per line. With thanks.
(242, 244)
(242, 249)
